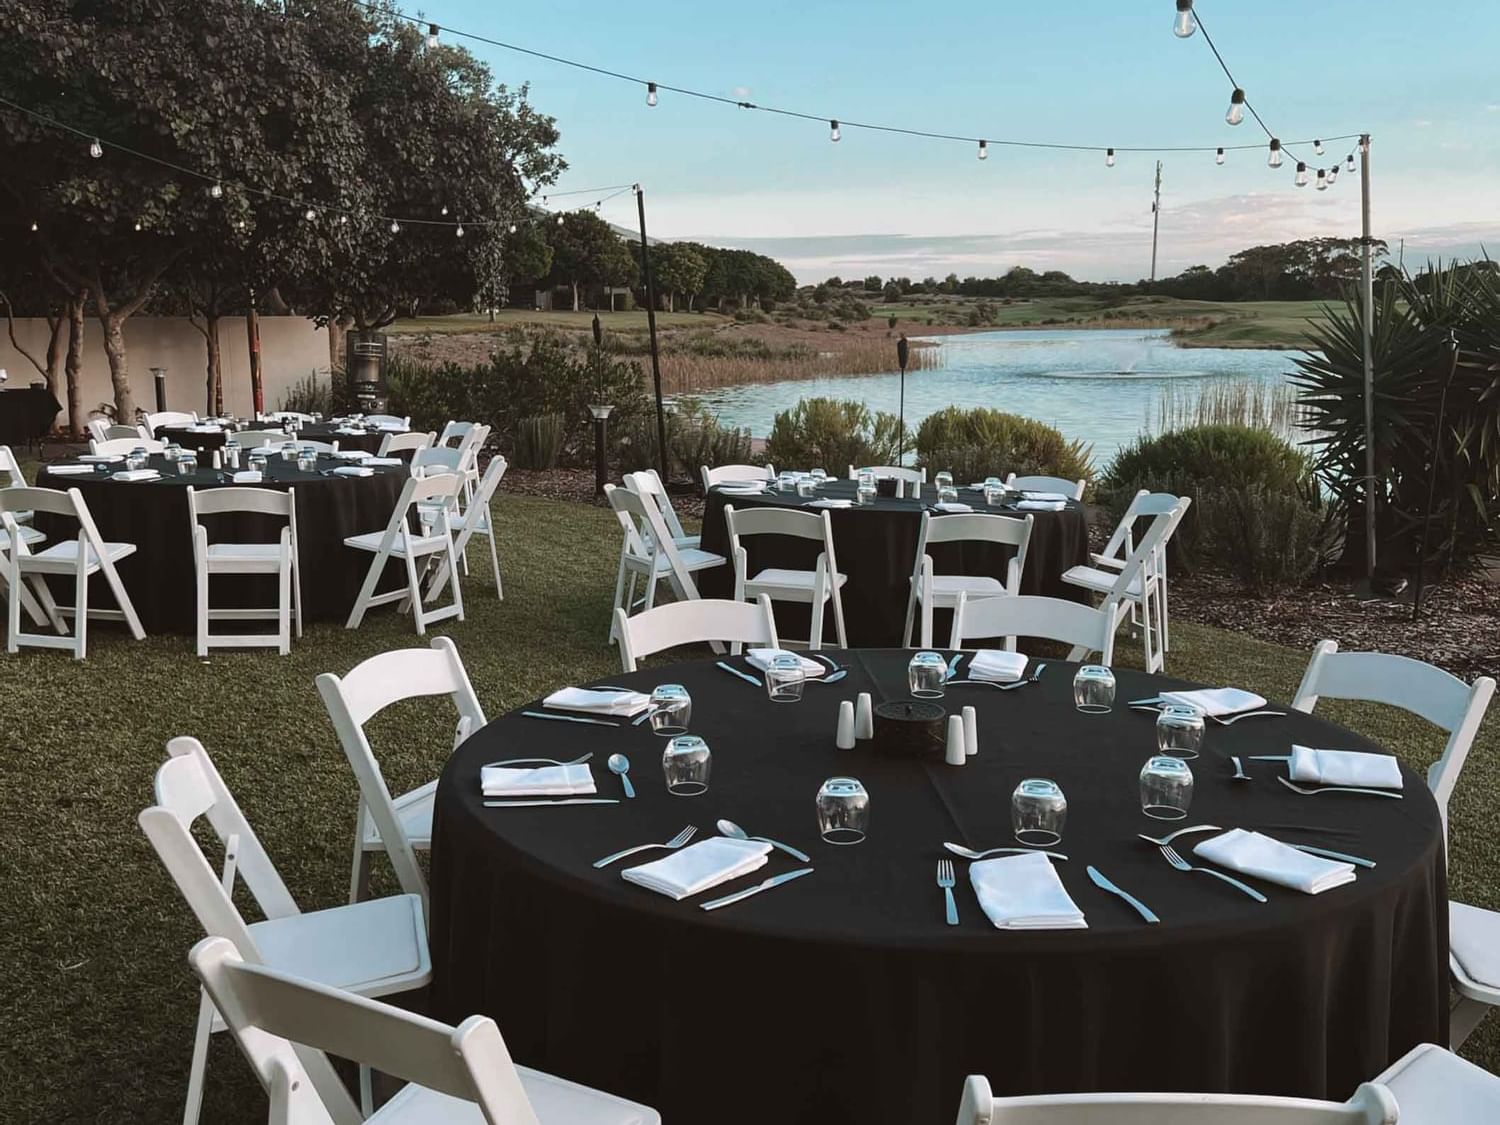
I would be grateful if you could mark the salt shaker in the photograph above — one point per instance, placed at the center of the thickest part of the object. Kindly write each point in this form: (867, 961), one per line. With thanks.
(971, 731)
(864, 717)
(844, 739)
(955, 754)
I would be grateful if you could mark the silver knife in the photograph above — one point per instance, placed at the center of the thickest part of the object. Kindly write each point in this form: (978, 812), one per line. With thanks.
(775, 881)
(1105, 885)
(569, 718)
(1354, 859)
(539, 802)
(746, 676)
(1270, 757)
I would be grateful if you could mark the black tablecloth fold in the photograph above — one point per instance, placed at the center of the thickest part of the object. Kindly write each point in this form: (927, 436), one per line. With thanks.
(843, 996)
(26, 413)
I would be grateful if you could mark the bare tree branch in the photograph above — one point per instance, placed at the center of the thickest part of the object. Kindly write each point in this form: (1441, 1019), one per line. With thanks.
(10, 323)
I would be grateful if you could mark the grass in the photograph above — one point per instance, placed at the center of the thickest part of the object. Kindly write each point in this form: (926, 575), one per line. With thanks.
(566, 319)
(97, 1006)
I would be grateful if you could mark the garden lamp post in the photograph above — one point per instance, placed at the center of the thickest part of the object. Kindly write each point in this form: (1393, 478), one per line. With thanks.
(601, 412)
(159, 374)
(903, 351)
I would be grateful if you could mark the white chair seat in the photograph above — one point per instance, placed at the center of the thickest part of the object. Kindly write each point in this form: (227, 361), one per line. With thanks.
(371, 947)
(29, 535)
(687, 542)
(420, 544)
(267, 555)
(1100, 581)
(555, 1100)
(774, 579)
(693, 559)
(1436, 1087)
(1474, 941)
(949, 586)
(62, 558)
(414, 811)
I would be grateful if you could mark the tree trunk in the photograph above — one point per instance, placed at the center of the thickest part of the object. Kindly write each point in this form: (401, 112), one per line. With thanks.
(73, 368)
(252, 337)
(575, 295)
(338, 331)
(669, 301)
(119, 366)
(214, 393)
(54, 354)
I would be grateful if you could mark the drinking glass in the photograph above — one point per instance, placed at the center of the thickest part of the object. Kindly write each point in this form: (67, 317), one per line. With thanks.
(231, 454)
(671, 709)
(943, 480)
(171, 451)
(187, 464)
(927, 675)
(136, 458)
(1038, 811)
(786, 481)
(843, 811)
(994, 491)
(866, 490)
(806, 487)
(288, 450)
(819, 478)
(947, 494)
(1166, 788)
(785, 678)
(687, 762)
(257, 461)
(1179, 730)
(307, 459)
(1094, 689)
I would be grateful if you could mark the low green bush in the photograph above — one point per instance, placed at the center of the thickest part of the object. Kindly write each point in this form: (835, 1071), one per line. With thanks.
(832, 434)
(1269, 538)
(974, 444)
(695, 438)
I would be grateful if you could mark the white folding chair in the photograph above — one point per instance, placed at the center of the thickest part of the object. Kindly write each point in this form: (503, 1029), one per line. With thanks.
(1062, 485)
(279, 558)
(1372, 1104)
(454, 433)
(460, 1075)
(1436, 1087)
(701, 621)
(374, 948)
(1108, 563)
(399, 826)
(817, 586)
(12, 477)
(727, 474)
(161, 418)
(254, 439)
(98, 429)
(910, 480)
(125, 445)
(478, 519)
(24, 533)
(648, 483)
(1134, 585)
(1029, 615)
(399, 541)
(462, 459)
(82, 557)
(661, 561)
(931, 590)
(388, 420)
(392, 444)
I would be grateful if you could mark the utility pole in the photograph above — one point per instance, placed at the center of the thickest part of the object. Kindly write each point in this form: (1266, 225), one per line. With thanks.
(661, 415)
(1155, 219)
(1367, 287)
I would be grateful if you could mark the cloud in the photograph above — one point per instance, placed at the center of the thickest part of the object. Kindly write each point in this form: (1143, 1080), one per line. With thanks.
(1493, 107)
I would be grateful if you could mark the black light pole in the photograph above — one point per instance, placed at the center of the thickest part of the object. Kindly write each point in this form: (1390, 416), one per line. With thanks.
(661, 414)
(601, 412)
(903, 350)
(159, 374)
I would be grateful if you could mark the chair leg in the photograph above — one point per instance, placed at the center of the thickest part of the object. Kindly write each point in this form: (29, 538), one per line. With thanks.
(284, 608)
(359, 871)
(414, 593)
(366, 1091)
(1464, 1017)
(199, 1064)
(362, 602)
(43, 594)
(81, 615)
(202, 596)
(838, 616)
(297, 591)
(122, 599)
(458, 593)
(13, 613)
(911, 613)
(495, 562)
(651, 583)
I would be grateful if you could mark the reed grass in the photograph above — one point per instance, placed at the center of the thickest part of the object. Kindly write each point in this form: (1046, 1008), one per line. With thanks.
(1251, 403)
(684, 371)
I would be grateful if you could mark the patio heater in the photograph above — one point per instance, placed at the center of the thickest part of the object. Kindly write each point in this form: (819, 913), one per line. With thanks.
(366, 362)
(903, 352)
(159, 375)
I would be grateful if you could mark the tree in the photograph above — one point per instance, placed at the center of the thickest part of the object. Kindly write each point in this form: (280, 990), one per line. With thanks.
(677, 267)
(873, 283)
(586, 251)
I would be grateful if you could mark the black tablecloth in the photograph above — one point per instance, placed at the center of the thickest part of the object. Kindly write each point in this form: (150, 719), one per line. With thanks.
(876, 547)
(26, 414)
(843, 996)
(368, 441)
(153, 515)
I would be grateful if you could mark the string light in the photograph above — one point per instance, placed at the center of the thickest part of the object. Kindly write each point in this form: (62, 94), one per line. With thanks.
(833, 131)
(443, 210)
(984, 150)
(458, 231)
(559, 220)
(1333, 175)
(1236, 112)
(1301, 180)
(512, 228)
(309, 214)
(1109, 158)
(1317, 148)
(137, 224)
(1322, 180)
(1184, 25)
(1219, 157)
(216, 190)
(1274, 160)
(96, 150)
(1350, 162)
(395, 227)
(651, 93)
(432, 36)
(33, 225)
(343, 219)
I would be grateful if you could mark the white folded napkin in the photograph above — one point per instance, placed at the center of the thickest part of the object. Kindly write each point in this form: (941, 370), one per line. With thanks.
(1216, 701)
(697, 867)
(391, 428)
(748, 487)
(205, 429)
(248, 476)
(349, 430)
(388, 461)
(997, 664)
(354, 471)
(1045, 496)
(827, 503)
(352, 455)
(952, 506)
(100, 458)
(1345, 767)
(598, 702)
(70, 470)
(1040, 505)
(546, 781)
(1023, 892)
(761, 658)
(1251, 853)
(131, 475)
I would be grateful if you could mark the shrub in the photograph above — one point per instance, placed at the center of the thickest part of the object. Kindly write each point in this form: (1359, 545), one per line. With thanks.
(833, 434)
(313, 394)
(955, 438)
(1270, 539)
(538, 441)
(694, 439)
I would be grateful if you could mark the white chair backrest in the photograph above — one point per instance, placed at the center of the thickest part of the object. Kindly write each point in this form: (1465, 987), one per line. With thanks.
(269, 1012)
(647, 536)
(1165, 512)
(1122, 539)
(162, 418)
(477, 515)
(1028, 615)
(316, 446)
(252, 439)
(370, 687)
(438, 459)
(1442, 699)
(401, 443)
(1370, 1105)
(977, 527)
(1073, 488)
(694, 622)
(778, 521)
(454, 433)
(10, 469)
(647, 482)
(288, 416)
(265, 501)
(388, 420)
(57, 502)
(625, 505)
(113, 446)
(891, 472)
(723, 474)
(98, 428)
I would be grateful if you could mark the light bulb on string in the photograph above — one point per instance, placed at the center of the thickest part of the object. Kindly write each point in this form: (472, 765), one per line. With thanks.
(1333, 175)
(651, 93)
(432, 36)
(1301, 180)
(1236, 112)
(833, 131)
(512, 228)
(1317, 148)
(1274, 160)
(984, 150)
(1219, 157)
(1349, 162)
(1185, 24)
(216, 190)
(33, 225)
(459, 231)
(96, 150)
(559, 220)
(309, 214)
(444, 210)
(239, 224)
(1109, 158)
(395, 227)
(1322, 180)
(137, 224)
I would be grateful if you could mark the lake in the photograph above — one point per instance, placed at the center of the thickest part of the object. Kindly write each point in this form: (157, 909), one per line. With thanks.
(1102, 385)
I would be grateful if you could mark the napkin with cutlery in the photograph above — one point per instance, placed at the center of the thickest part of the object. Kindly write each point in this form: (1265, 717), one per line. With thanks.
(697, 867)
(1046, 497)
(997, 664)
(828, 503)
(100, 458)
(1040, 505)
(354, 471)
(1251, 853)
(761, 658)
(132, 475)
(352, 455)
(1023, 892)
(1345, 767)
(387, 461)
(598, 702)
(349, 430)
(1216, 701)
(545, 781)
(248, 476)
(205, 428)
(745, 487)
(70, 470)
(952, 506)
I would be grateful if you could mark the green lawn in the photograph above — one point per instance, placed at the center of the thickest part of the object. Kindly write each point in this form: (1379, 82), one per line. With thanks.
(97, 1007)
(632, 321)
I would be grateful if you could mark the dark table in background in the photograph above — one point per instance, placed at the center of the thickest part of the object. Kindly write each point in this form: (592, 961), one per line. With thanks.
(368, 440)
(26, 414)
(876, 547)
(154, 515)
(843, 998)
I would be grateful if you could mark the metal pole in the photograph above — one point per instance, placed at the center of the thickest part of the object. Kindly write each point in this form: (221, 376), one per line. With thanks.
(661, 414)
(902, 351)
(1155, 218)
(1367, 285)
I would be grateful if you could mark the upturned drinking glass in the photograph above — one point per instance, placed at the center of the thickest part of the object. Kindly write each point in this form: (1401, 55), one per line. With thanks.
(257, 461)
(1038, 811)
(843, 811)
(819, 478)
(686, 763)
(806, 487)
(786, 482)
(171, 451)
(671, 709)
(947, 494)
(307, 459)
(1179, 730)
(785, 678)
(288, 450)
(187, 464)
(1094, 689)
(136, 458)
(1166, 788)
(943, 480)
(927, 675)
(866, 490)
(994, 490)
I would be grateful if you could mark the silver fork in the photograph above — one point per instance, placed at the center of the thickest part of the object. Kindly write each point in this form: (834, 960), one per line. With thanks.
(1183, 865)
(541, 761)
(945, 880)
(1167, 839)
(671, 845)
(1036, 674)
(1295, 788)
(1230, 720)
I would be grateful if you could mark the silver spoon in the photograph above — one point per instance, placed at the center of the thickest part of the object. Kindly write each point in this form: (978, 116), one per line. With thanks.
(1239, 770)
(831, 678)
(970, 853)
(620, 764)
(735, 832)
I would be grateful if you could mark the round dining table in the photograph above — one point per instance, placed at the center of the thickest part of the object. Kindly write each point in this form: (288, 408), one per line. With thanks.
(350, 436)
(845, 996)
(159, 576)
(876, 548)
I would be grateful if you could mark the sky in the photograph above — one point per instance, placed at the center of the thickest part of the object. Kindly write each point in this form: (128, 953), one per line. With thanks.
(1418, 77)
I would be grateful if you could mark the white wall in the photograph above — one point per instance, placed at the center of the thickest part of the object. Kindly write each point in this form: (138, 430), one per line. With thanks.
(291, 347)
